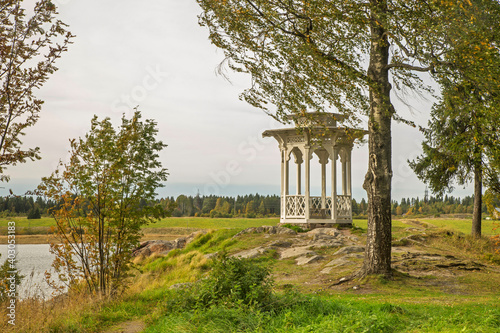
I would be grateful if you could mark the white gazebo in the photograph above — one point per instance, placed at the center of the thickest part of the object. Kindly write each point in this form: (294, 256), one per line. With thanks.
(316, 133)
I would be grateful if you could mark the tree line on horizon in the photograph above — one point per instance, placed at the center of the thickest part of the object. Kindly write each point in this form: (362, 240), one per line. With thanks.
(251, 206)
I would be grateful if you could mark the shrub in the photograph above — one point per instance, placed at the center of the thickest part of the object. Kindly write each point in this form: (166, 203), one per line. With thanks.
(236, 281)
(233, 282)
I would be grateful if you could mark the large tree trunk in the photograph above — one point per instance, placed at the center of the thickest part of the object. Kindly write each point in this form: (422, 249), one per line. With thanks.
(478, 194)
(378, 178)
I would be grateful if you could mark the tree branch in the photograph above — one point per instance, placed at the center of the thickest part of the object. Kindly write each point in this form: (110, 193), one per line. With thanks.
(410, 67)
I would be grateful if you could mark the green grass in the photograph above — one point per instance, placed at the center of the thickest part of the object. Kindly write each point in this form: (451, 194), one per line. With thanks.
(463, 225)
(325, 314)
(212, 223)
(27, 227)
(41, 226)
(23, 222)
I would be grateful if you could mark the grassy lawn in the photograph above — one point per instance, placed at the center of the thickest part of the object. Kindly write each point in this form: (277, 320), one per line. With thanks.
(211, 223)
(463, 225)
(170, 222)
(23, 222)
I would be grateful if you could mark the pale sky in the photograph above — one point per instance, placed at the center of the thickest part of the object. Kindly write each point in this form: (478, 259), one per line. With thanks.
(155, 55)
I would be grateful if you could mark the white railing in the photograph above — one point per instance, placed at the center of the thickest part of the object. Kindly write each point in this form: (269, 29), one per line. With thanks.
(316, 210)
(315, 206)
(329, 207)
(344, 206)
(295, 206)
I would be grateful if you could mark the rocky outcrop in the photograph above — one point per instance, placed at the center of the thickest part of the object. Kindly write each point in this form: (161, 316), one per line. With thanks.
(349, 249)
(252, 253)
(296, 252)
(324, 231)
(163, 247)
(304, 260)
(300, 247)
(272, 230)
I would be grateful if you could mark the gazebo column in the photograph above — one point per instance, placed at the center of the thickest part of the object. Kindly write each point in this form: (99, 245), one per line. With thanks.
(287, 175)
(323, 185)
(284, 181)
(334, 184)
(307, 178)
(282, 190)
(349, 182)
(344, 172)
(299, 173)
(323, 160)
(349, 174)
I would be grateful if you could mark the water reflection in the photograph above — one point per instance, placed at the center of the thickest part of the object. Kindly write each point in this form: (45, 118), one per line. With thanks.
(32, 262)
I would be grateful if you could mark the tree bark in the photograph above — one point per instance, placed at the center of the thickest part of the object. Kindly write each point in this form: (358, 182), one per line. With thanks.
(378, 178)
(478, 196)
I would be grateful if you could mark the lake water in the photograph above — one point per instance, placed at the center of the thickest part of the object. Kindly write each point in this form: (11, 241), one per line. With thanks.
(32, 262)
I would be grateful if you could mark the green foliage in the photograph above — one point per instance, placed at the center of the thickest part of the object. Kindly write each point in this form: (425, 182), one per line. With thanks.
(235, 281)
(256, 40)
(29, 51)
(434, 206)
(102, 193)
(214, 206)
(22, 205)
(492, 201)
(462, 141)
(462, 132)
(232, 282)
(34, 214)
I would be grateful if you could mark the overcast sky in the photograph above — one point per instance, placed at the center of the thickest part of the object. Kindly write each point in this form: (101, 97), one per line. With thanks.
(155, 55)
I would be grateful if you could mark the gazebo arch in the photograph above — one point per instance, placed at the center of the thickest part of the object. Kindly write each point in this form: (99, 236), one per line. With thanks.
(316, 133)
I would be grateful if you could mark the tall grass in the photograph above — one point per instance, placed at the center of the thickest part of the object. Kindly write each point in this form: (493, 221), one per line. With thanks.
(324, 314)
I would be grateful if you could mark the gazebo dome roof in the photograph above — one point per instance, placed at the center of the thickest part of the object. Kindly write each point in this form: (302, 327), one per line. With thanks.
(323, 119)
(318, 124)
